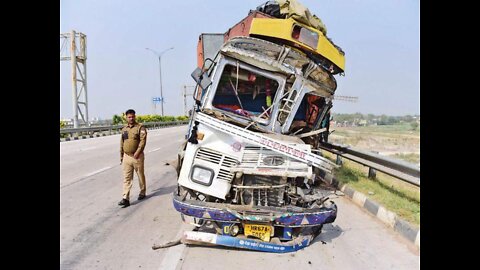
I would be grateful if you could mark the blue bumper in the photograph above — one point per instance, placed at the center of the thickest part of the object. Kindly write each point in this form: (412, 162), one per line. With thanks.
(278, 216)
(251, 244)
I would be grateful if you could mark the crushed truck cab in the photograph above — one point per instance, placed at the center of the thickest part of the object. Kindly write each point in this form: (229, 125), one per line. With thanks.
(249, 171)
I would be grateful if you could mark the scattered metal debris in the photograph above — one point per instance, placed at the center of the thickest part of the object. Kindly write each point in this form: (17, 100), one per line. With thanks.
(169, 244)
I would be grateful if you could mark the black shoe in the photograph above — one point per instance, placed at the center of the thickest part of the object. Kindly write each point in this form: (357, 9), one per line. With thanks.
(141, 197)
(124, 202)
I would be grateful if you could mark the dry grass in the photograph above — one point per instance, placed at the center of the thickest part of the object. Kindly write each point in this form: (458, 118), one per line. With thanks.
(395, 141)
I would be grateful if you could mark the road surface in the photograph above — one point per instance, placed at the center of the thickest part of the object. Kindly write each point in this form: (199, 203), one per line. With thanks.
(95, 233)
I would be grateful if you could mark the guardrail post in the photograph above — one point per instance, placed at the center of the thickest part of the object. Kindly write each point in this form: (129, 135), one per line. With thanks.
(372, 173)
(339, 160)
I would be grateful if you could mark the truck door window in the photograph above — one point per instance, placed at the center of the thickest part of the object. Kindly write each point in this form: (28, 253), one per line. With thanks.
(308, 113)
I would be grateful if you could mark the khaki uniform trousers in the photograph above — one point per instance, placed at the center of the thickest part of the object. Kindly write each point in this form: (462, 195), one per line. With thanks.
(130, 164)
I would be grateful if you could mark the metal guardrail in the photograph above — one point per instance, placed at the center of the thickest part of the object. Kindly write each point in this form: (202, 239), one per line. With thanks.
(398, 169)
(110, 129)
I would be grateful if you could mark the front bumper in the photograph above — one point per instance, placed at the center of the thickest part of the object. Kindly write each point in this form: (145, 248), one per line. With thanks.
(277, 216)
(200, 238)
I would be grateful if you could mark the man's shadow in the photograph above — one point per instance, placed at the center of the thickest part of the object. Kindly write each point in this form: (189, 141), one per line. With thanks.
(157, 192)
(162, 191)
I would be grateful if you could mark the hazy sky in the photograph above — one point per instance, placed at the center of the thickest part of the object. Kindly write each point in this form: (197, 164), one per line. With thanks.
(381, 40)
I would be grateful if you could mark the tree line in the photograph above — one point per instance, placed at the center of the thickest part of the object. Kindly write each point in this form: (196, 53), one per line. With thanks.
(372, 119)
(119, 119)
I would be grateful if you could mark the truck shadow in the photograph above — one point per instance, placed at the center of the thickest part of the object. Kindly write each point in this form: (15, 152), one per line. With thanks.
(328, 233)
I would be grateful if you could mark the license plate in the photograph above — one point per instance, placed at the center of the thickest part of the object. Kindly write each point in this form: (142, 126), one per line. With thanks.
(260, 231)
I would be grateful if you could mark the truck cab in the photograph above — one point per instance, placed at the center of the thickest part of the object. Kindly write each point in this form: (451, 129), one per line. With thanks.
(251, 168)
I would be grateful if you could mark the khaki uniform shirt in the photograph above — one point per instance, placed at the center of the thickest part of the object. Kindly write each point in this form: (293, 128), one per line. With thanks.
(133, 139)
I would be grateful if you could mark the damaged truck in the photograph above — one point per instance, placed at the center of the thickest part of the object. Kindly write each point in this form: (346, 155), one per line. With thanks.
(250, 168)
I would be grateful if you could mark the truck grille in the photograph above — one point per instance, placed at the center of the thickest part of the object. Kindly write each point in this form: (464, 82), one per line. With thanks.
(218, 158)
(263, 196)
(253, 157)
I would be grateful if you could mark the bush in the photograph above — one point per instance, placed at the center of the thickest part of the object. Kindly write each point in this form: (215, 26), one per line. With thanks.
(414, 125)
(182, 118)
(158, 118)
(117, 119)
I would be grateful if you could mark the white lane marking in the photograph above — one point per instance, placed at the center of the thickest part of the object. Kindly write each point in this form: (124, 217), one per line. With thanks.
(159, 132)
(174, 254)
(88, 148)
(97, 171)
(85, 177)
(156, 149)
(172, 257)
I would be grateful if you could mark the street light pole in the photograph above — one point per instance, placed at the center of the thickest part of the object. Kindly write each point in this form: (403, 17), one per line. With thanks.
(159, 55)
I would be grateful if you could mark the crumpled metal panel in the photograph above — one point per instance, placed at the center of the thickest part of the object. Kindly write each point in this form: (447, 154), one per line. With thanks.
(288, 219)
(273, 57)
(253, 163)
(203, 212)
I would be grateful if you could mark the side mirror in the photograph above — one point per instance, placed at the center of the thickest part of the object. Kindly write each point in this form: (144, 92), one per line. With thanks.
(201, 78)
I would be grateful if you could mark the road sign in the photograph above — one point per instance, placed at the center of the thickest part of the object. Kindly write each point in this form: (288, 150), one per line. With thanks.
(157, 99)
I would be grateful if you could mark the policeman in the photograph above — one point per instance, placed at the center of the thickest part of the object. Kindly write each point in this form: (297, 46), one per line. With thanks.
(132, 144)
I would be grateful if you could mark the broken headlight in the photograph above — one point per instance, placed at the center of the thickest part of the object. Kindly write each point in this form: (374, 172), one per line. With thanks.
(202, 175)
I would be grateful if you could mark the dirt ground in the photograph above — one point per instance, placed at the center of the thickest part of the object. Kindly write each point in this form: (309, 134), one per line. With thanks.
(396, 142)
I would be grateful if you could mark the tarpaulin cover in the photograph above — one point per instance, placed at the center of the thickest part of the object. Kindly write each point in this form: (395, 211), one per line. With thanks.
(294, 9)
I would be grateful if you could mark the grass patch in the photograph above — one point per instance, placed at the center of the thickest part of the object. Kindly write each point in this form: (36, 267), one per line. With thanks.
(395, 195)
(385, 130)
